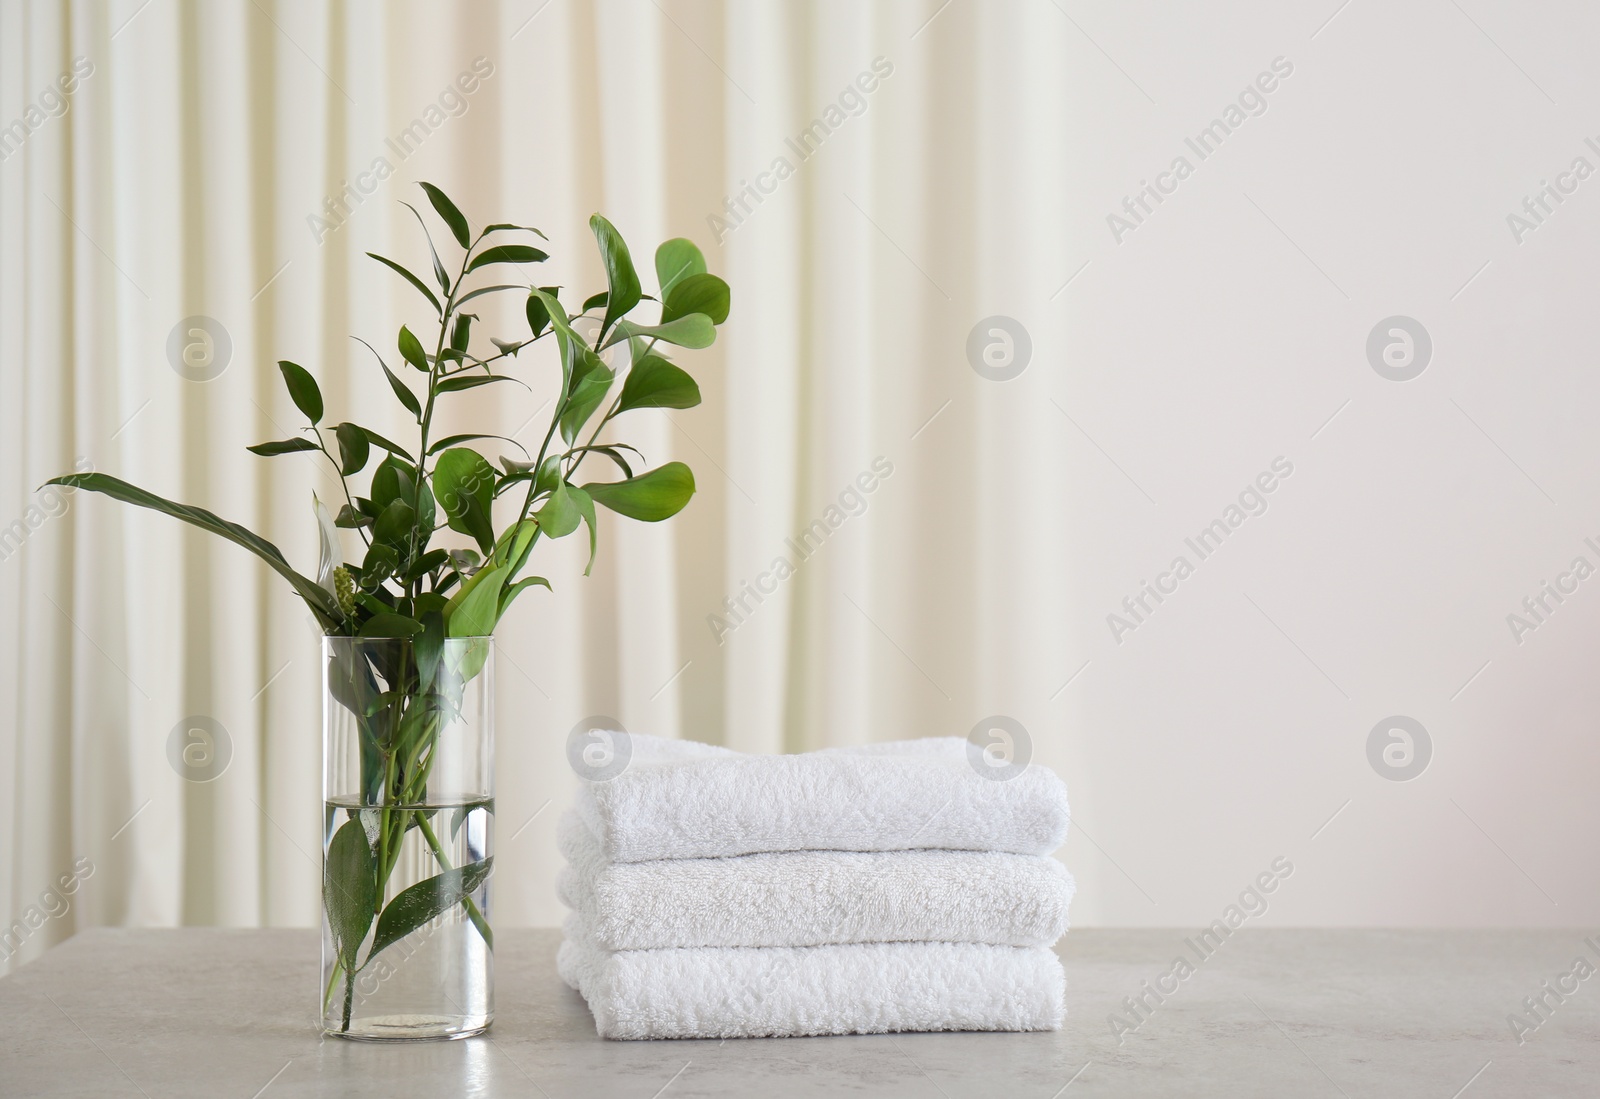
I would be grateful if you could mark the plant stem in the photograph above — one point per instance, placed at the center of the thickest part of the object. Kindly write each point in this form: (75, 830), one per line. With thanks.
(473, 913)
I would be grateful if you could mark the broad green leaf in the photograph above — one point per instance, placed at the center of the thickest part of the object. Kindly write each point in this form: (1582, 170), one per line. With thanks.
(463, 477)
(461, 334)
(693, 331)
(560, 515)
(396, 524)
(473, 611)
(321, 603)
(538, 309)
(422, 566)
(596, 299)
(302, 390)
(390, 625)
(452, 216)
(350, 518)
(697, 294)
(621, 280)
(472, 381)
(655, 383)
(283, 446)
(591, 380)
(393, 480)
(349, 890)
(676, 260)
(506, 253)
(649, 497)
(411, 349)
(412, 279)
(425, 901)
(354, 449)
(381, 561)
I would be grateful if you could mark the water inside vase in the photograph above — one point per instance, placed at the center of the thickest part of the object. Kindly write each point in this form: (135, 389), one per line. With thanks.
(432, 975)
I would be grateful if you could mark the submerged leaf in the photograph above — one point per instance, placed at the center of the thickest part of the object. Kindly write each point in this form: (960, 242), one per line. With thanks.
(349, 890)
(426, 900)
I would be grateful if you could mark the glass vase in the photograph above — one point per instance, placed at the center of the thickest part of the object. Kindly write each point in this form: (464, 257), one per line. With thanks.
(408, 837)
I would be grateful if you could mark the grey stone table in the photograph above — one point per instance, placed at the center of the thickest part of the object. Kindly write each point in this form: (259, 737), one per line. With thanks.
(1272, 1013)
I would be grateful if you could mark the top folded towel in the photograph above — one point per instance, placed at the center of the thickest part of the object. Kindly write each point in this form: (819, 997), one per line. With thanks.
(677, 799)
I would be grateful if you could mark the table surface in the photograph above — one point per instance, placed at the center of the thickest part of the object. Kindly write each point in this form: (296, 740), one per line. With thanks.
(204, 1012)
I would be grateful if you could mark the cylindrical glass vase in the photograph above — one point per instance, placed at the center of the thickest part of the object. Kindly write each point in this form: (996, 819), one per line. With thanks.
(408, 837)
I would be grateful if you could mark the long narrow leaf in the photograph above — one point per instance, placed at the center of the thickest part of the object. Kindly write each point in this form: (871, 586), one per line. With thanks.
(412, 279)
(321, 603)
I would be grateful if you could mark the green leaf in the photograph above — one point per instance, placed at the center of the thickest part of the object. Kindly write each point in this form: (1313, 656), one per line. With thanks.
(560, 515)
(350, 518)
(621, 279)
(461, 335)
(393, 480)
(596, 299)
(538, 309)
(507, 253)
(349, 890)
(649, 497)
(591, 380)
(321, 603)
(438, 268)
(585, 506)
(412, 279)
(462, 478)
(379, 441)
(452, 216)
(697, 294)
(480, 291)
(459, 382)
(403, 394)
(285, 446)
(411, 349)
(693, 331)
(396, 523)
(354, 449)
(302, 390)
(655, 383)
(390, 625)
(505, 226)
(427, 900)
(453, 440)
(511, 593)
(676, 260)
(381, 561)
(473, 611)
(612, 452)
(515, 543)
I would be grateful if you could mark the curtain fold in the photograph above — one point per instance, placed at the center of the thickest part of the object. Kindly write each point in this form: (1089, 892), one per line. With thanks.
(200, 207)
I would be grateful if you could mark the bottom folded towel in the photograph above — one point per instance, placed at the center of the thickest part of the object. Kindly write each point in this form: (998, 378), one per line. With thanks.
(854, 988)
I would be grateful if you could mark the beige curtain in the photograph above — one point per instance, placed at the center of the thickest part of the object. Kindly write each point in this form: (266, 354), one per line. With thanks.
(871, 179)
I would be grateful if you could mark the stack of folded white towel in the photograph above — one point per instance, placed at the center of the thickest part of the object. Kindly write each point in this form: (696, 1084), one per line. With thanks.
(864, 890)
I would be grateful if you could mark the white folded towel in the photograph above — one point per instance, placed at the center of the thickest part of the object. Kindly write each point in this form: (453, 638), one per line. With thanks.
(678, 799)
(810, 898)
(859, 988)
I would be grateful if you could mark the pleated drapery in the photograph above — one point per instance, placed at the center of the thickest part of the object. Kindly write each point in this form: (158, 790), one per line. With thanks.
(874, 549)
